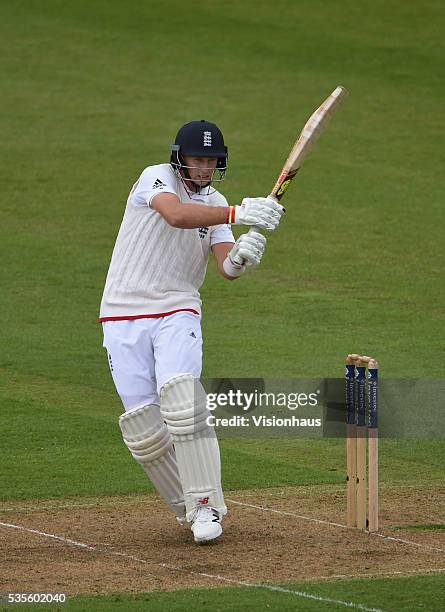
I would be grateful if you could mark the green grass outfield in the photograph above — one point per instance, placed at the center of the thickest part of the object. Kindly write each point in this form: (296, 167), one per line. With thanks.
(92, 92)
(401, 594)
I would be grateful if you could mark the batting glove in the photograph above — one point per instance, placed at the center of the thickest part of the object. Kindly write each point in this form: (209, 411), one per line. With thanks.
(247, 251)
(263, 213)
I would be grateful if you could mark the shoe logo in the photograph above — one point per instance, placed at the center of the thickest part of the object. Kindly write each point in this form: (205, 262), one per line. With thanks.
(158, 184)
(203, 501)
(207, 139)
(192, 335)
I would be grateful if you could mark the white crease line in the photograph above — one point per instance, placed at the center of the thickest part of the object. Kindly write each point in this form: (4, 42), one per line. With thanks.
(268, 587)
(376, 534)
(85, 505)
(284, 513)
(323, 522)
(53, 507)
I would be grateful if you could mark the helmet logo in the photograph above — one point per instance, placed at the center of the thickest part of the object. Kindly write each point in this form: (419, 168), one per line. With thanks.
(207, 138)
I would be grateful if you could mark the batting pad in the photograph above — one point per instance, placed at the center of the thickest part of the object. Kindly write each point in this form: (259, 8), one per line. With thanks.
(183, 406)
(149, 441)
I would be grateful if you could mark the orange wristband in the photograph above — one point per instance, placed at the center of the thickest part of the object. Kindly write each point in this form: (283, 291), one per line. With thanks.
(231, 213)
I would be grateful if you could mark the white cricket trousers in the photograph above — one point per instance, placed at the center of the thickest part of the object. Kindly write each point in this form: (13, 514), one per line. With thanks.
(143, 354)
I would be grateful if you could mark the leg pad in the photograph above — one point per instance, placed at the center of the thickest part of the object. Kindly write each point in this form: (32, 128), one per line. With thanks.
(149, 441)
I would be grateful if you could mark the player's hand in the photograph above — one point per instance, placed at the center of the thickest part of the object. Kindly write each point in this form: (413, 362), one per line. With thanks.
(248, 249)
(264, 213)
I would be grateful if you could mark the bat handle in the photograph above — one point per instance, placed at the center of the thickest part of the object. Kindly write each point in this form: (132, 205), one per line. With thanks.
(253, 228)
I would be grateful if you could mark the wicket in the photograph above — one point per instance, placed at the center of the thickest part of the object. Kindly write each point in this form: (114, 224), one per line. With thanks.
(361, 428)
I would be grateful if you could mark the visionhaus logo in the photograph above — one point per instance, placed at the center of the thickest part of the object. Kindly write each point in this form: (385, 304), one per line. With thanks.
(293, 421)
(262, 421)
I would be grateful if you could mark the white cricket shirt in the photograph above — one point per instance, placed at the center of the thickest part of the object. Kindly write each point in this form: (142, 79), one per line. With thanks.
(157, 269)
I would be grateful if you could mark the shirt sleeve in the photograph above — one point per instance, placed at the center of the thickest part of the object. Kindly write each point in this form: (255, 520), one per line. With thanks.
(222, 232)
(152, 181)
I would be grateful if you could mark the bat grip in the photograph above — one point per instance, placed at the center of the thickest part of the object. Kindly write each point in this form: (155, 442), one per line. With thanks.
(253, 228)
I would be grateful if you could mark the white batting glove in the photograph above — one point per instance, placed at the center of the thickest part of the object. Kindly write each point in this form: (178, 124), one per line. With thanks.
(247, 251)
(263, 213)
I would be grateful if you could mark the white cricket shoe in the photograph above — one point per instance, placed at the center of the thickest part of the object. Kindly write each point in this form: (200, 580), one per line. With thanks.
(206, 525)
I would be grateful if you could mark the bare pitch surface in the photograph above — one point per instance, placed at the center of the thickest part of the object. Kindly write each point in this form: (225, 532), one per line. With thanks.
(128, 544)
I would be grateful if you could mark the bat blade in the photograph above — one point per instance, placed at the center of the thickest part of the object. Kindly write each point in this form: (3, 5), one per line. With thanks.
(309, 134)
(312, 129)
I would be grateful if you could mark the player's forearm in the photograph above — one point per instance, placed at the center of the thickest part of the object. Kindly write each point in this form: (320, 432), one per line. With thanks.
(221, 251)
(264, 213)
(189, 216)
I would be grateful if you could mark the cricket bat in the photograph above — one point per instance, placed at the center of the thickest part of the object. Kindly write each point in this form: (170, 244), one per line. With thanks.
(309, 134)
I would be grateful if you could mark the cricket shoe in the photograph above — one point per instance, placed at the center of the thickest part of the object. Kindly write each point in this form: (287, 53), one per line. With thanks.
(206, 525)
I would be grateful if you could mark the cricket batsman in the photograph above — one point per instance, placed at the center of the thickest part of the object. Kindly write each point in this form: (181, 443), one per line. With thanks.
(151, 317)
